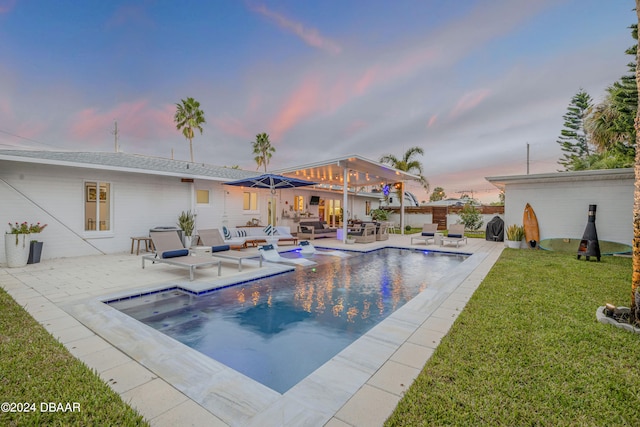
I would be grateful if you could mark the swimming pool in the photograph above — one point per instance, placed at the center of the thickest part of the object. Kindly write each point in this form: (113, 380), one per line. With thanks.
(279, 329)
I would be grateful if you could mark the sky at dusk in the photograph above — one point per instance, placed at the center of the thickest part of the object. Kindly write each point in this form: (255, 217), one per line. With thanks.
(471, 82)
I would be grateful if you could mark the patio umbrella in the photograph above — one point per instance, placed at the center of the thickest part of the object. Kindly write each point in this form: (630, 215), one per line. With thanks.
(272, 182)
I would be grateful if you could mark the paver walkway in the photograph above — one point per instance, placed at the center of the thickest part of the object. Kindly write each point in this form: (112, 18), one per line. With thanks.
(171, 384)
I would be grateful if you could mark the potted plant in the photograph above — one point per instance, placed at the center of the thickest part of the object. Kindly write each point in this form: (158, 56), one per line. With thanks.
(379, 215)
(186, 221)
(515, 234)
(16, 248)
(35, 246)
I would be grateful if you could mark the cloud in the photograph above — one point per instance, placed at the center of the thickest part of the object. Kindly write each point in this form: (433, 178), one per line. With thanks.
(135, 119)
(469, 101)
(310, 36)
(301, 103)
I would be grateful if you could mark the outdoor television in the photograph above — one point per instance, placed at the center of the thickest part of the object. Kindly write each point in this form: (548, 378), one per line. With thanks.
(315, 200)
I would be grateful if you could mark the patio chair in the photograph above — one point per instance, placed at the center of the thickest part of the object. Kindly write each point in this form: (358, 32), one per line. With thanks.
(221, 249)
(428, 233)
(393, 227)
(366, 234)
(169, 250)
(456, 235)
(382, 231)
(269, 253)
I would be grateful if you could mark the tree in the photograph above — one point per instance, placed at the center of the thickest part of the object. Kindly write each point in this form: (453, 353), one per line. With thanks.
(635, 277)
(611, 123)
(573, 138)
(189, 117)
(438, 194)
(263, 150)
(408, 164)
(471, 217)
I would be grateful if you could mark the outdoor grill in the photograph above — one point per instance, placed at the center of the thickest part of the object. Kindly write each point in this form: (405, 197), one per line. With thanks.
(589, 245)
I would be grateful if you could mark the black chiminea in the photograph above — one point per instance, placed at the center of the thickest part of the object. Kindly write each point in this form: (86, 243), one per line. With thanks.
(589, 245)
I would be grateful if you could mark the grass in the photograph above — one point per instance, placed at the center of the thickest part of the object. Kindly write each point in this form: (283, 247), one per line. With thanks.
(527, 350)
(35, 368)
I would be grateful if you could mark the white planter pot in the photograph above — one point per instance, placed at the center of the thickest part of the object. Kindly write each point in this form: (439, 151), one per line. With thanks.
(513, 244)
(187, 241)
(17, 254)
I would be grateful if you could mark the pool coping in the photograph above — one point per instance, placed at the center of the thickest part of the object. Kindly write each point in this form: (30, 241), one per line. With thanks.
(359, 386)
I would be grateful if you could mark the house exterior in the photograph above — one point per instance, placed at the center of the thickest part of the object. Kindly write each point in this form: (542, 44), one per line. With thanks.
(561, 202)
(95, 202)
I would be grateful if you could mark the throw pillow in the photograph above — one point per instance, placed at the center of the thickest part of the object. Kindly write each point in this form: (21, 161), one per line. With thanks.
(268, 230)
(242, 233)
(226, 232)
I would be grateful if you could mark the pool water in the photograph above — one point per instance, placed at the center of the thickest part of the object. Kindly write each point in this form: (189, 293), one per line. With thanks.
(279, 329)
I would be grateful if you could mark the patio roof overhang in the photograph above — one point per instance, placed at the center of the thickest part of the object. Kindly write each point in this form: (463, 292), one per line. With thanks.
(360, 172)
(351, 171)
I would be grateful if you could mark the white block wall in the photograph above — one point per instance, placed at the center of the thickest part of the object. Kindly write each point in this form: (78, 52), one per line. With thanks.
(562, 207)
(54, 195)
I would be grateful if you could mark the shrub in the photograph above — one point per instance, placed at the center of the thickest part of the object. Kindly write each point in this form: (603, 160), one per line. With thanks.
(471, 217)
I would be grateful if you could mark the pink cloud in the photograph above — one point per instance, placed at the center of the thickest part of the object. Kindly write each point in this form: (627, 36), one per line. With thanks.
(310, 36)
(7, 6)
(468, 101)
(232, 126)
(135, 119)
(302, 102)
(432, 120)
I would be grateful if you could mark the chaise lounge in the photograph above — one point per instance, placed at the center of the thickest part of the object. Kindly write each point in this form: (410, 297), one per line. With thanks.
(456, 235)
(212, 238)
(170, 250)
(428, 233)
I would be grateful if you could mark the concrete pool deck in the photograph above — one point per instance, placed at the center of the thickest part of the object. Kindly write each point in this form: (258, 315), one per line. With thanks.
(170, 384)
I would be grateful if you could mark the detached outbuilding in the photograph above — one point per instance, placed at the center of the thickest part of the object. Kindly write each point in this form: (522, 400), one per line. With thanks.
(561, 202)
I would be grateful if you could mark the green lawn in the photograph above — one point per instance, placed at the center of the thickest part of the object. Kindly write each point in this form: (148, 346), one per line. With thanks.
(527, 350)
(36, 369)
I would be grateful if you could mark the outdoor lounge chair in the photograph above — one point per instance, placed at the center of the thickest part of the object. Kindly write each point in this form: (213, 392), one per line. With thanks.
(366, 234)
(169, 250)
(382, 231)
(221, 249)
(456, 235)
(307, 249)
(269, 253)
(428, 233)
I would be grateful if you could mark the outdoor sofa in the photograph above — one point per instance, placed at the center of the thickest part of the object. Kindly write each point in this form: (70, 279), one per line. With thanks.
(315, 229)
(255, 235)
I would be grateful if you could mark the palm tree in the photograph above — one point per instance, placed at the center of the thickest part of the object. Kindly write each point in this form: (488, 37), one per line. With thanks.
(408, 164)
(189, 117)
(263, 150)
